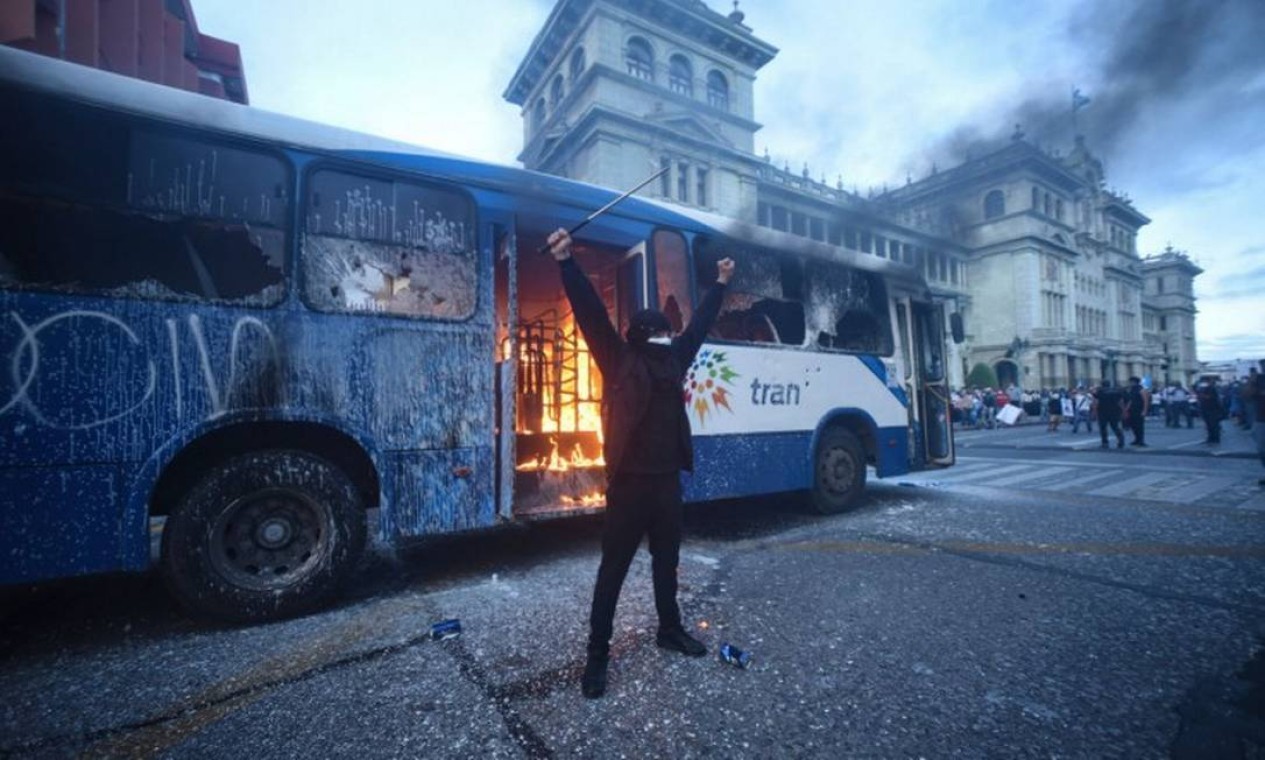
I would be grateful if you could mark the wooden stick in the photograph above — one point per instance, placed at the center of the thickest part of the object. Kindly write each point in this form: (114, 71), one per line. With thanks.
(545, 248)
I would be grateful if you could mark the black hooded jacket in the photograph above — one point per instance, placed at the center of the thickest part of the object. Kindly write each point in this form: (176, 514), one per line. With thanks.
(630, 373)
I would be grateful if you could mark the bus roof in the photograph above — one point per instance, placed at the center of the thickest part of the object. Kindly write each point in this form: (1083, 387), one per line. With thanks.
(72, 81)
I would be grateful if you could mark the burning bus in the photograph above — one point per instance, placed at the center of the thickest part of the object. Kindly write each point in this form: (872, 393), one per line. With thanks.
(254, 334)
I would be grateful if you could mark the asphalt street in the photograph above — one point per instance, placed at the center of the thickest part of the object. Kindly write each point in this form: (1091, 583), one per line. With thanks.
(1017, 605)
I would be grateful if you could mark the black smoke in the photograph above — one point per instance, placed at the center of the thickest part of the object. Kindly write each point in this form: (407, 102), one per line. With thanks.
(1146, 60)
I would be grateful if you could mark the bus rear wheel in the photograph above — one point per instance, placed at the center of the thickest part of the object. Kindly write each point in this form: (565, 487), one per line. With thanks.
(838, 472)
(266, 535)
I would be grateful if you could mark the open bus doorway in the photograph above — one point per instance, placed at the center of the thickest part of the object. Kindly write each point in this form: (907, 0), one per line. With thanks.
(557, 425)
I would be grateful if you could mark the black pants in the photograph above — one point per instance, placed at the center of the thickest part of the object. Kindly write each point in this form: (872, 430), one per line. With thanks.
(637, 505)
(1115, 428)
(1137, 424)
(1213, 424)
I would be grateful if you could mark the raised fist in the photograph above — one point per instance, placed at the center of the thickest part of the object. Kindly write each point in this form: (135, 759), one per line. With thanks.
(724, 271)
(560, 244)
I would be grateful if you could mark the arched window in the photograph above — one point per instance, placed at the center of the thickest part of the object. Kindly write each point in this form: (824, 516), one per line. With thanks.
(994, 205)
(640, 59)
(555, 92)
(577, 65)
(538, 118)
(680, 75)
(717, 91)
(1036, 199)
(1058, 209)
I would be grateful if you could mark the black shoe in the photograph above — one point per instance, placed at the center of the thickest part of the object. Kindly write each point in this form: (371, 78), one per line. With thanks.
(593, 682)
(1104, 446)
(681, 641)
(1120, 444)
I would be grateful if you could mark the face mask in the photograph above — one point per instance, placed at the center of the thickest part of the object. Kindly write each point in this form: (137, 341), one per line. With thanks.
(660, 340)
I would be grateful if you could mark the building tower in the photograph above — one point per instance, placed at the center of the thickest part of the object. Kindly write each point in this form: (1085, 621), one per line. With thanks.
(1170, 313)
(611, 91)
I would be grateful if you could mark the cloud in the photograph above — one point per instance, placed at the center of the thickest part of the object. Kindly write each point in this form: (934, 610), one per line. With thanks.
(423, 72)
(1237, 346)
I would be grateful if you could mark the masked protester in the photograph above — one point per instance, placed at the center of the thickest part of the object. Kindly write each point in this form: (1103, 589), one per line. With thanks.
(646, 445)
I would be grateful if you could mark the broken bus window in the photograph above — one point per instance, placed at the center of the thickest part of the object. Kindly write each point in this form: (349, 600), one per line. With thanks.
(386, 246)
(119, 212)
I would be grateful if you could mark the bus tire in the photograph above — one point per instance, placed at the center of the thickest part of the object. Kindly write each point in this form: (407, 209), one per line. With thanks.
(263, 536)
(838, 472)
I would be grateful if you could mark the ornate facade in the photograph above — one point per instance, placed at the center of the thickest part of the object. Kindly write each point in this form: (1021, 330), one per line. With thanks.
(1037, 254)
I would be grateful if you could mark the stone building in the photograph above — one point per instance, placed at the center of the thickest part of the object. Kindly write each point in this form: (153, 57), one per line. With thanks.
(1034, 250)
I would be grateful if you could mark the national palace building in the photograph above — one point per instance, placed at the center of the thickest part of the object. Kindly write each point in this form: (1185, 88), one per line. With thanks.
(1038, 256)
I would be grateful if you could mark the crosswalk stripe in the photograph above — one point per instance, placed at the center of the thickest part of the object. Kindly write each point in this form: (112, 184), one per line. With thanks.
(1119, 488)
(1040, 472)
(1199, 489)
(1088, 483)
(991, 472)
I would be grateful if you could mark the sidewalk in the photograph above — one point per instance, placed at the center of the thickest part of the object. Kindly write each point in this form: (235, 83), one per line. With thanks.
(1031, 433)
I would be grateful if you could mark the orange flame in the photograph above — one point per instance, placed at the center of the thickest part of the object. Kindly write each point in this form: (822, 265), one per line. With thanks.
(571, 397)
(594, 499)
(554, 462)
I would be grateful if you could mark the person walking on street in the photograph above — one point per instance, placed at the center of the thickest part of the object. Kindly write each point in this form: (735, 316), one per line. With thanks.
(1054, 411)
(1176, 405)
(646, 442)
(989, 402)
(1192, 406)
(1210, 408)
(1137, 405)
(1082, 404)
(1251, 407)
(1108, 407)
(1258, 404)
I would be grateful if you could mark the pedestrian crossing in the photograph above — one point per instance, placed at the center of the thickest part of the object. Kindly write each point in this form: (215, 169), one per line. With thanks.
(1231, 483)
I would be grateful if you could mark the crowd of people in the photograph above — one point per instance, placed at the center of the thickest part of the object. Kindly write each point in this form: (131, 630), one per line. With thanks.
(1119, 409)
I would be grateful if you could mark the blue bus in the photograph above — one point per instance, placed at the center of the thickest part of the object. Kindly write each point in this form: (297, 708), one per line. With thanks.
(253, 333)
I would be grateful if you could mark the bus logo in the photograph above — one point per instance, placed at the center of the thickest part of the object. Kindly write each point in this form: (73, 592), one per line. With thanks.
(705, 383)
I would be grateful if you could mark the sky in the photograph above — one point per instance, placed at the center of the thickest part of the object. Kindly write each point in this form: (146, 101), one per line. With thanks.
(871, 91)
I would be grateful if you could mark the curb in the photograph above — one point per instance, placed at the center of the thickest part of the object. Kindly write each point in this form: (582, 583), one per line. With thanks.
(1132, 449)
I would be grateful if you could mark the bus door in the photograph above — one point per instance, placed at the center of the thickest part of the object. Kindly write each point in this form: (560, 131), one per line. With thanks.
(925, 380)
(554, 466)
(505, 293)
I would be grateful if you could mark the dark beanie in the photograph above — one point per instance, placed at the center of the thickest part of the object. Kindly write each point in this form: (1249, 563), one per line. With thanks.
(645, 323)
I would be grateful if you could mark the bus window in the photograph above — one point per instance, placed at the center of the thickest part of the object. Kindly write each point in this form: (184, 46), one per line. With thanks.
(847, 309)
(388, 246)
(763, 302)
(672, 275)
(91, 206)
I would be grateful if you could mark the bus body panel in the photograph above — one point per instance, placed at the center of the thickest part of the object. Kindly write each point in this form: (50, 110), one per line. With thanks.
(67, 524)
(96, 380)
(734, 466)
(765, 408)
(737, 389)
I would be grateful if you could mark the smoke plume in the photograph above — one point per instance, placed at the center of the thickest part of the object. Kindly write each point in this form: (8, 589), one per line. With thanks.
(1146, 59)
